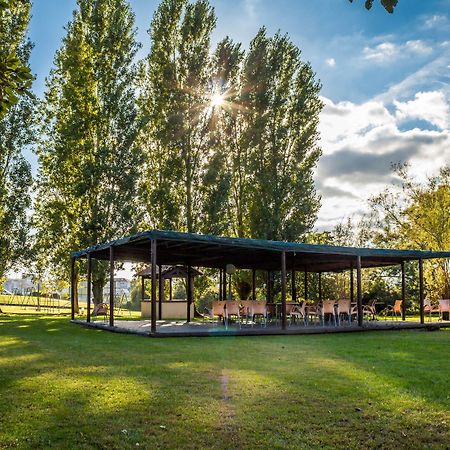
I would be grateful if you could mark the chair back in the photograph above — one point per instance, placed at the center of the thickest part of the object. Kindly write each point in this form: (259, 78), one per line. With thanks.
(217, 308)
(258, 307)
(444, 305)
(344, 306)
(299, 308)
(289, 308)
(232, 308)
(100, 308)
(246, 306)
(328, 307)
(398, 306)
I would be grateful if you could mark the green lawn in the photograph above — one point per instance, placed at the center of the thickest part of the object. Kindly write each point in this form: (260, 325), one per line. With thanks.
(64, 386)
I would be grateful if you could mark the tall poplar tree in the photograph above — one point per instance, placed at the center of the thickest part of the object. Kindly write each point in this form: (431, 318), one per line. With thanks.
(89, 160)
(175, 102)
(281, 101)
(225, 176)
(16, 133)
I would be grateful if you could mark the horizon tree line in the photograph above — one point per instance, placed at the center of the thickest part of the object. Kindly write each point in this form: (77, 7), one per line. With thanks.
(124, 145)
(214, 140)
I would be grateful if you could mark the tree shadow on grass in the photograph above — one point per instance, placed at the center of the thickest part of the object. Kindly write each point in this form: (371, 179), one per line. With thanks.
(67, 386)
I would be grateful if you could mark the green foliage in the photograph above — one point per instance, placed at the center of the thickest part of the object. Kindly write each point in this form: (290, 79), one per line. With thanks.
(280, 98)
(388, 5)
(89, 159)
(242, 166)
(15, 75)
(174, 102)
(16, 133)
(417, 216)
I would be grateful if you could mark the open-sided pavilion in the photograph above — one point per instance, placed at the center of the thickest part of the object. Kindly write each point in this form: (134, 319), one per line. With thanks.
(169, 248)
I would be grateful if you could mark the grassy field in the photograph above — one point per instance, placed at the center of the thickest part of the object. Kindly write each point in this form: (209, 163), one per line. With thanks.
(64, 386)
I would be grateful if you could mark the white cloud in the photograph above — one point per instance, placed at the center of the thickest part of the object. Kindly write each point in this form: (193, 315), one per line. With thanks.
(360, 142)
(388, 51)
(330, 62)
(435, 21)
(432, 76)
(382, 52)
(432, 107)
(251, 8)
(343, 120)
(419, 47)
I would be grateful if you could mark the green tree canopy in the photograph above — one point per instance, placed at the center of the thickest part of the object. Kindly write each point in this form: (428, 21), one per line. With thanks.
(175, 103)
(15, 74)
(231, 136)
(16, 133)
(88, 159)
(417, 216)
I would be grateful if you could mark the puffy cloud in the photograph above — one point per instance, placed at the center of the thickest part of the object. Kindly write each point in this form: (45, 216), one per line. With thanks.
(436, 20)
(361, 142)
(343, 120)
(418, 46)
(330, 62)
(430, 106)
(387, 51)
(382, 52)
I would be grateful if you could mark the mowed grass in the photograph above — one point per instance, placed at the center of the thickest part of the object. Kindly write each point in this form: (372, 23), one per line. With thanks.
(64, 386)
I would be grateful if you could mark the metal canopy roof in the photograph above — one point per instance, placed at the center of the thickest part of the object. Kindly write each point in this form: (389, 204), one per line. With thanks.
(177, 248)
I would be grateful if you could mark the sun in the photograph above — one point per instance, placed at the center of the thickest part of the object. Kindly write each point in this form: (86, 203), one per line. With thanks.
(217, 100)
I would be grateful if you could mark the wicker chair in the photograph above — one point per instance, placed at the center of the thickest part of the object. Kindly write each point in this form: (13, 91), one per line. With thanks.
(344, 308)
(217, 310)
(370, 309)
(328, 308)
(313, 310)
(101, 309)
(430, 307)
(245, 309)
(258, 309)
(444, 306)
(395, 310)
(231, 308)
(299, 312)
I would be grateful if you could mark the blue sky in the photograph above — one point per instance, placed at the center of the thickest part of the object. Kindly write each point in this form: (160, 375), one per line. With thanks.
(385, 81)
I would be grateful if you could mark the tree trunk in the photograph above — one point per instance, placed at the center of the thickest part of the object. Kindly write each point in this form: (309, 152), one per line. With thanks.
(97, 291)
(76, 307)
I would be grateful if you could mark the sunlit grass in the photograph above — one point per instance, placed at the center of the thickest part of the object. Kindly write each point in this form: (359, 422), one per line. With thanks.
(64, 386)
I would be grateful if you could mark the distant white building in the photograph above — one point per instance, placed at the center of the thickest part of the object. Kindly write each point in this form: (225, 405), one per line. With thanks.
(122, 287)
(20, 286)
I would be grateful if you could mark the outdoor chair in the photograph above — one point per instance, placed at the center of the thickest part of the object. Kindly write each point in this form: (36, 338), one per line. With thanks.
(444, 307)
(245, 306)
(271, 311)
(298, 312)
(217, 310)
(313, 310)
(370, 310)
(395, 310)
(328, 309)
(258, 308)
(231, 308)
(344, 308)
(430, 307)
(289, 308)
(101, 309)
